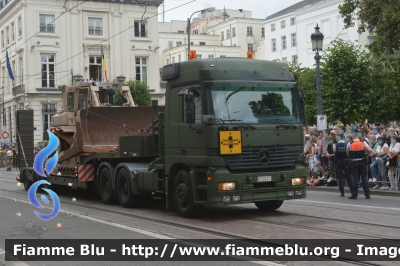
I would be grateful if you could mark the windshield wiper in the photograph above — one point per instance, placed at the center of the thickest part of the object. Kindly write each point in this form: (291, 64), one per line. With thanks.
(235, 120)
(234, 92)
(284, 121)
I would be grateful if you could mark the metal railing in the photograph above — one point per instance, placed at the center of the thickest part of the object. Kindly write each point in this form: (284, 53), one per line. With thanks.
(95, 30)
(46, 27)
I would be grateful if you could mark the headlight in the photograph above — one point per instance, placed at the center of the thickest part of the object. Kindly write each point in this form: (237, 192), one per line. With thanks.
(227, 186)
(297, 181)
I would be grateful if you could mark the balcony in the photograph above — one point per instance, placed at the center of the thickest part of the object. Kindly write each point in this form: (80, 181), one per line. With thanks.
(20, 89)
(95, 31)
(46, 28)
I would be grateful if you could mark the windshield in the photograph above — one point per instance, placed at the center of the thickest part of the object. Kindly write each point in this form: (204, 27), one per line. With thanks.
(250, 102)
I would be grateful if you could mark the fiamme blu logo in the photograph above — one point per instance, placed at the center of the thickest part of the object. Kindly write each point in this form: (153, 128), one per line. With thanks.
(43, 168)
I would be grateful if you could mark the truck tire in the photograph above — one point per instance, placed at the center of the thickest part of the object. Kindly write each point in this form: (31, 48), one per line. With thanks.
(105, 187)
(124, 190)
(269, 205)
(26, 181)
(183, 196)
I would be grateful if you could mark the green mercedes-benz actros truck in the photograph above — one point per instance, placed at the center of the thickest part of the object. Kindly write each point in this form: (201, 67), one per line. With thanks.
(230, 133)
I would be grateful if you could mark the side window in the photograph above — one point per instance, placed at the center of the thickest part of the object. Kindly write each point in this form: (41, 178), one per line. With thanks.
(82, 101)
(197, 105)
(71, 101)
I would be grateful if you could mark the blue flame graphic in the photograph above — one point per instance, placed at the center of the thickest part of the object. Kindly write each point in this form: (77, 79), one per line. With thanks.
(32, 198)
(43, 154)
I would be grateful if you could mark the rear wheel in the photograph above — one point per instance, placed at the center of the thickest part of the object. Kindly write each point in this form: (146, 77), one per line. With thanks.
(26, 181)
(124, 190)
(105, 186)
(269, 205)
(183, 196)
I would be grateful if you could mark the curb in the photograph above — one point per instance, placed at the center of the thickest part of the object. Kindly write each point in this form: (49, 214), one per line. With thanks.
(335, 189)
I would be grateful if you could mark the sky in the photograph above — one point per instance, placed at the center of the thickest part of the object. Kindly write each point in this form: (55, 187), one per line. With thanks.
(259, 8)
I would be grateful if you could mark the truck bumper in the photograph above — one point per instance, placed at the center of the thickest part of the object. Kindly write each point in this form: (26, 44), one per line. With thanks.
(249, 190)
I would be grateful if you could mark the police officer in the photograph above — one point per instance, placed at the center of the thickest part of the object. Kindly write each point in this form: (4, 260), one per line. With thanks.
(340, 155)
(356, 151)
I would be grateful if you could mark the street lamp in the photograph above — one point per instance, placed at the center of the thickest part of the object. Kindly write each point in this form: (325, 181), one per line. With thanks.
(317, 39)
(209, 9)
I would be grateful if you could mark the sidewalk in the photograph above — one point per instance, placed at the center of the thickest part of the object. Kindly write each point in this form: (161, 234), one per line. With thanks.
(373, 191)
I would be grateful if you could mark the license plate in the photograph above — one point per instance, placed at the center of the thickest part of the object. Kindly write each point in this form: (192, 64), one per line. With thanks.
(264, 178)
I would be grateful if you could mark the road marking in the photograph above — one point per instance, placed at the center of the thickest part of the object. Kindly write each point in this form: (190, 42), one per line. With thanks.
(265, 263)
(351, 205)
(10, 263)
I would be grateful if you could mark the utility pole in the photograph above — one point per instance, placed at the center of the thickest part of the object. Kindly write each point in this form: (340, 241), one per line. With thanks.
(72, 77)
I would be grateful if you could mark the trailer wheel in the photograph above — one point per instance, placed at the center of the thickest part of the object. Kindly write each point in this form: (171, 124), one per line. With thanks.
(26, 181)
(105, 185)
(269, 205)
(124, 190)
(183, 196)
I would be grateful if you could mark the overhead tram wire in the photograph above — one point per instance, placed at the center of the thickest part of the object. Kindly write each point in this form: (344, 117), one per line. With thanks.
(90, 47)
(46, 26)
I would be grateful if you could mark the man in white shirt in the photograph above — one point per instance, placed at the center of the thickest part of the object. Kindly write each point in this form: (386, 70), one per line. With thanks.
(356, 152)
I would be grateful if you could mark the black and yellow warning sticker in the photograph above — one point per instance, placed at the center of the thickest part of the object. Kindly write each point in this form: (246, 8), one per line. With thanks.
(230, 142)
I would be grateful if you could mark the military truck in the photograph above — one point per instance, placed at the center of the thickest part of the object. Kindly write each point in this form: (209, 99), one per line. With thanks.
(230, 133)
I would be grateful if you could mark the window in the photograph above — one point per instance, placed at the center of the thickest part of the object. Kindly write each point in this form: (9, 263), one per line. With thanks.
(284, 60)
(222, 35)
(48, 110)
(250, 47)
(95, 69)
(273, 45)
(19, 26)
(12, 32)
(273, 27)
(283, 42)
(180, 31)
(198, 56)
(173, 59)
(47, 23)
(233, 32)
(2, 39)
(222, 56)
(178, 43)
(140, 29)
(95, 26)
(47, 62)
(294, 42)
(294, 60)
(283, 24)
(8, 36)
(170, 44)
(292, 21)
(210, 56)
(141, 69)
(167, 61)
(71, 101)
(195, 31)
(262, 32)
(228, 34)
(179, 58)
(202, 43)
(249, 31)
(82, 99)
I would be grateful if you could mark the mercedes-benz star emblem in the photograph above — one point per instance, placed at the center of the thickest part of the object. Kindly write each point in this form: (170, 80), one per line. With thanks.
(263, 157)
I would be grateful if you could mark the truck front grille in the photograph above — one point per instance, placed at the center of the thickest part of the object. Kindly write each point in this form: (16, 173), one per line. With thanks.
(280, 159)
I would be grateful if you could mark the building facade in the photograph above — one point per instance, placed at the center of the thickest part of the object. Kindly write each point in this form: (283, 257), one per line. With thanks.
(290, 29)
(47, 49)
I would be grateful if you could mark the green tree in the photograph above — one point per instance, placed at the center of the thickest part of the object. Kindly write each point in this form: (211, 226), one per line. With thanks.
(379, 17)
(140, 93)
(345, 81)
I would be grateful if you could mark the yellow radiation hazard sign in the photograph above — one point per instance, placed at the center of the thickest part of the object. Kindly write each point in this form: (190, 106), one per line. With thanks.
(230, 142)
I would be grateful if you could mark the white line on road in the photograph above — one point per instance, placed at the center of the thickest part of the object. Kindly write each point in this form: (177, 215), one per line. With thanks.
(3, 262)
(140, 231)
(350, 205)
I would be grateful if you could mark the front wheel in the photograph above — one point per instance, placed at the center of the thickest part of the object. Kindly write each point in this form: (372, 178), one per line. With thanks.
(269, 205)
(183, 196)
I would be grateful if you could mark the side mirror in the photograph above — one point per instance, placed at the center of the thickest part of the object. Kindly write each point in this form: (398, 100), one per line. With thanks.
(207, 119)
(301, 106)
(190, 113)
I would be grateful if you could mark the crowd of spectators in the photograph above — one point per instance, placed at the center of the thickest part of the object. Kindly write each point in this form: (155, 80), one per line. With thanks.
(383, 163)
